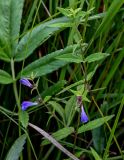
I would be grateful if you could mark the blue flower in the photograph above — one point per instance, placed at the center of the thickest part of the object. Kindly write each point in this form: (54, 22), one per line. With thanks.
(84, 117)
(26, 104)
(26, 82)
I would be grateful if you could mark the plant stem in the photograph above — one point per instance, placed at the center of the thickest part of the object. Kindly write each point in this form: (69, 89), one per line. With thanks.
(16, 96)
(113, 131)
(14, 85)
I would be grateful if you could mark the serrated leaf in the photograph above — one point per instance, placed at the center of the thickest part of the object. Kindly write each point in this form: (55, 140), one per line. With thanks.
(42, 69)
(70, 110)
(5, 29)
(94, 124)
(95, 57)
(5, 78)
(16, 148)
(36, 36)
(10, 20)
(47, 64)
(24, 118)
(62, 133)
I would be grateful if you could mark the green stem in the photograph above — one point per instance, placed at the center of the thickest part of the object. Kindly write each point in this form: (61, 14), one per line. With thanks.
(113, 131)
(16, 96)
(14, 85)
(76, 133)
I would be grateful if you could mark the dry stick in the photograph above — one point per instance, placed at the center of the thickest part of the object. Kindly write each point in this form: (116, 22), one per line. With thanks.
(52, 140)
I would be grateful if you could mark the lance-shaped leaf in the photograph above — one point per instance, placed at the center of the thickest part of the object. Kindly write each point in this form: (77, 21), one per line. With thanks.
(38, 35)
(10, 20)
(15, 21)
(96, 57)
(47, 64)
(24, 118)
(16, 148)
(94, 124)
(60, 134)
(70, 110)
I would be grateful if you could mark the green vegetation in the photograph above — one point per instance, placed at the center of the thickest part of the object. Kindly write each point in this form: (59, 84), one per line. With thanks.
(61, 79)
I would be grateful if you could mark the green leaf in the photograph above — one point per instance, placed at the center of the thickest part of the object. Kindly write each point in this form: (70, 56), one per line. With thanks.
(46, 64)
(70, 110)
(58, 108)
(75, 56)
(5, 78)
(62, 133)
(36, 36)
(3, 55)
(114, 67)
(10, 20)
(70, 58)
(24, 118)
(62, 25)
(84, 96)
(47, 98)
(16, 148)
(110, 14)
(16, 8)
(95, 154)
(94, 124)
(65, 12)
(99, 139)
(5, 30)
(55, 88)
(96, 57)
(89, 76)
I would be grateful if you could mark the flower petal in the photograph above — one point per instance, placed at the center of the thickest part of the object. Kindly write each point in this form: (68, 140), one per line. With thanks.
(26, 82)
(26, 104)
(84, 117)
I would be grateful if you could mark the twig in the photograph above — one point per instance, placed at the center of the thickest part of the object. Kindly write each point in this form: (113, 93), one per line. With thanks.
(52, 140)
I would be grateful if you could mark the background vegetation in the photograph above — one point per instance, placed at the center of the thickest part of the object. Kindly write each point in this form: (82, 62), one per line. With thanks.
(67, 48)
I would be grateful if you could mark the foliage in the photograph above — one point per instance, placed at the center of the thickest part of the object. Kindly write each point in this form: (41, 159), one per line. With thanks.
(64, 50)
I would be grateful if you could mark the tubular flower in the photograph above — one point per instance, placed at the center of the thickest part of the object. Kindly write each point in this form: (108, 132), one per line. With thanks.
(84, 117)
(26, 104)
(26, 82)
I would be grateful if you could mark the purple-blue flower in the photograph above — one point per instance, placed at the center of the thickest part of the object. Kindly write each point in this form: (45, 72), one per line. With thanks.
(26, 104)
(26, 82)
(84, 117)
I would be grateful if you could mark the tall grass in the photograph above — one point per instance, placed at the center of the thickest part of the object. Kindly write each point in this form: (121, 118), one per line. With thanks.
(66, 49)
